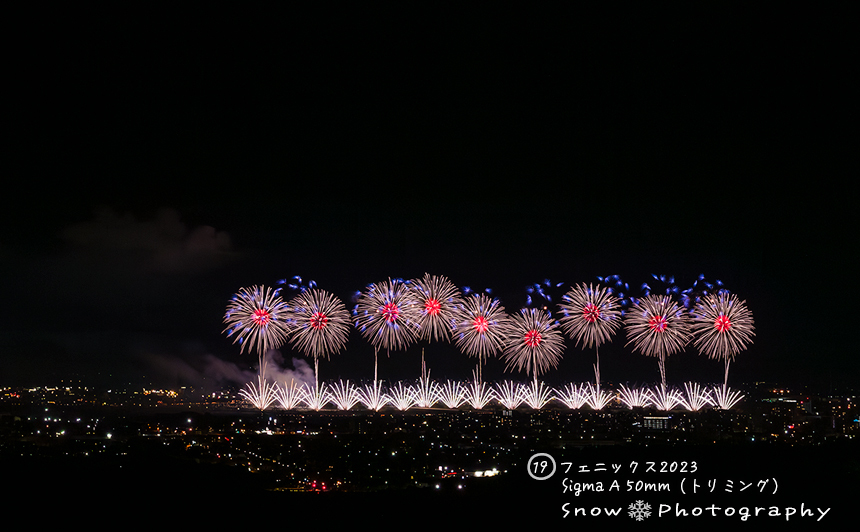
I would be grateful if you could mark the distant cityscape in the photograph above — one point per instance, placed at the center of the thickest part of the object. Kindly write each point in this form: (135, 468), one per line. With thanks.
(361, 450)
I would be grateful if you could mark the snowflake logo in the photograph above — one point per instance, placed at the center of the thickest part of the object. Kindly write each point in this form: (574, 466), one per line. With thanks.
(639, 510)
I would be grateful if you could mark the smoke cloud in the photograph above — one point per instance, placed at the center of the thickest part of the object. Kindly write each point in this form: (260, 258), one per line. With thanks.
(210, 373)
(163, 243)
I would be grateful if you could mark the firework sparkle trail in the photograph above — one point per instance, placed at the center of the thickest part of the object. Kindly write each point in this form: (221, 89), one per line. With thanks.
(262, 393)
(344, 395)
(289, 396)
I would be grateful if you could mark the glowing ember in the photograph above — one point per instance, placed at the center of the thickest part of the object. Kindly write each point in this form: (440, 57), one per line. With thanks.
(722, 323)
(261, 316)
(532, 338)
(390, 312)
(590, 313)
(318, 320)
(657, 323)
(432, 307)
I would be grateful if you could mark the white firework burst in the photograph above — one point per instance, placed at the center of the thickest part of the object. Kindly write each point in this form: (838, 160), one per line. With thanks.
(636, 397)
(726, 398)
(508, 394)
(258, 318)
(289, 396)
(452, 394)
(438, 300)
(658, 326)
(596, 397)
(315, 397)
(427, 391)
(344, 395)
(478, 394)
(695, 397)
(479, 328)
(401, 397)
(260, 394)
(536, 394)
(590, 315)
(663, 398)
(320, 324)
(533, 342)
(722, 327)
(371, 396)
(573, 396)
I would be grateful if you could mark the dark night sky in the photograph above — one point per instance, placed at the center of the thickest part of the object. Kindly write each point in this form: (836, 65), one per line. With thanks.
(162, 168)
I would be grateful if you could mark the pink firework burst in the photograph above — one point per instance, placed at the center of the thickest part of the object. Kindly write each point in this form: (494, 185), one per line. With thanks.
(534, 343)
(658, 326)
(438, 300)
(480, 323)
(387, 315)
(722, 327)
(320, 324)
(258, 318)
(590, 315)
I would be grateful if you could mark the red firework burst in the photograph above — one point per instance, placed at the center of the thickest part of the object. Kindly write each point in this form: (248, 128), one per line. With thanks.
(318, 320)
(390, 312)
(532, 338)
(261, 317)
(657, 323)
(722, 323)
(590, 313)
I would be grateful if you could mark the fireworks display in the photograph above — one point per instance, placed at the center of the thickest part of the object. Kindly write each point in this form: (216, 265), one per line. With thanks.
(533, 342)
(437, 299)
(289, 396)
(394, 314)
(258, 318)
(509, 394)
(722, 327)
(452, 394)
